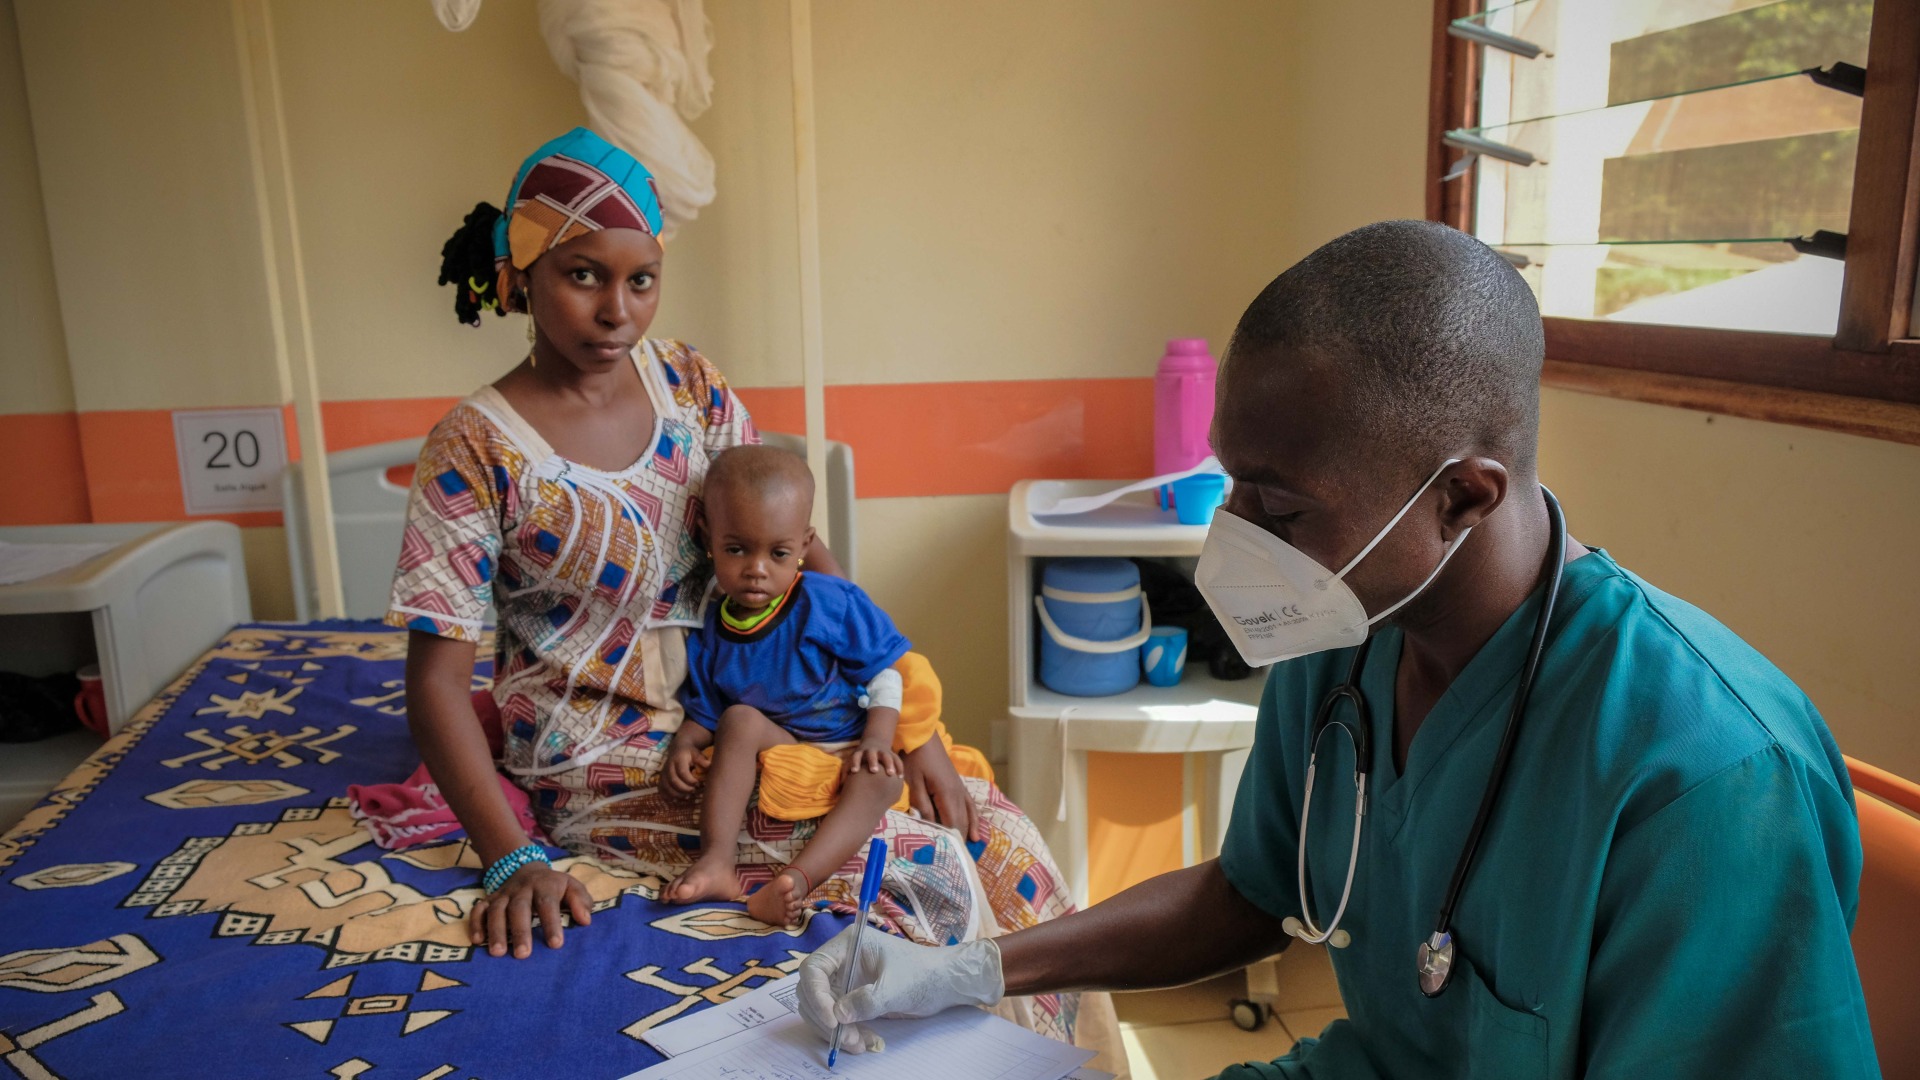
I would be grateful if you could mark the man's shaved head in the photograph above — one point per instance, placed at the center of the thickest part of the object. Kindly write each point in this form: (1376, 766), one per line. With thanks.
(1432, 344)
(763, 474)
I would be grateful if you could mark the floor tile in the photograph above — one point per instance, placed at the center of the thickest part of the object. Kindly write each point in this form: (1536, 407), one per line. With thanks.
(1303, 977)
(1307, 1023)
(1202, 1001)
(1191, 1051)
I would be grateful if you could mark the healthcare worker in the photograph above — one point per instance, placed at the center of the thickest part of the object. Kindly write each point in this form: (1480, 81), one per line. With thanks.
(1658, 879)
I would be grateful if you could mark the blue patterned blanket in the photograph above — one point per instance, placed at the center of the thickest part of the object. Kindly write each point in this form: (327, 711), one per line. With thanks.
(196, 900)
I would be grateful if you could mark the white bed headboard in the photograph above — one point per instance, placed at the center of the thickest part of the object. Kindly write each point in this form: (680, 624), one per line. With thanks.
(369, 513)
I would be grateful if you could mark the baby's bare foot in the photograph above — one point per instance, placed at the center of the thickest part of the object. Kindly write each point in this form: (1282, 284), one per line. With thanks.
(711, 877)
(780, 901)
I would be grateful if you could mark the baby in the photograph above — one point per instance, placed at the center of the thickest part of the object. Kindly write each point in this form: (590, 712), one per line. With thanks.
(785, 657)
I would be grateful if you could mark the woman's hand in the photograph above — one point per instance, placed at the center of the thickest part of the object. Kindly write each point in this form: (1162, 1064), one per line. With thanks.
(505, 919)
(682, 774)
(876, 757)
(935, 791)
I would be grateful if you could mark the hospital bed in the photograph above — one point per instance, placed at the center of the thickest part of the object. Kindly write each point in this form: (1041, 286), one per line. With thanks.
(197, 899)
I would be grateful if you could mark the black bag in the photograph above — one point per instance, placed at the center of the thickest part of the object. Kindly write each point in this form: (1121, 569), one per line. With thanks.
(32, 708)
(1176, 601)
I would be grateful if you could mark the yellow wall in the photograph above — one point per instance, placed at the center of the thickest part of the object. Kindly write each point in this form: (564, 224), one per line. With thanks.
(1009, 190)
(397, 128)
(1014, 190)
(33, 351)
(140, 126)
(1801, 541)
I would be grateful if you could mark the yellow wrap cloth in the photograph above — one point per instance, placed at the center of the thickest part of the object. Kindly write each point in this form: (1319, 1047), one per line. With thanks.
(801, 781)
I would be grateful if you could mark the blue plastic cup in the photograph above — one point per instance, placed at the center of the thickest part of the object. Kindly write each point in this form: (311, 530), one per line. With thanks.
(1196, 497)
(1164, 656)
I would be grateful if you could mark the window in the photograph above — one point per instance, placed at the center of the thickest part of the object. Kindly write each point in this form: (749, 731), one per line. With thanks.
(1696, 189)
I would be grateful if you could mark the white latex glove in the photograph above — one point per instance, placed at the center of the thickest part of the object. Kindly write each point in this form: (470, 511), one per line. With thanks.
(894, 978)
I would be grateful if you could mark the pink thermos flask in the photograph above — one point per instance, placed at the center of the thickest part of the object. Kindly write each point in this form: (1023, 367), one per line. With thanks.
(1182, 406)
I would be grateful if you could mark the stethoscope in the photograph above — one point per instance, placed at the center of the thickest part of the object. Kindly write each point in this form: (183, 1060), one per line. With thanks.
(1435, 955)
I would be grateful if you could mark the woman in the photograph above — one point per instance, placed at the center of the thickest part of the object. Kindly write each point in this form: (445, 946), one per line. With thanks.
(565, 496)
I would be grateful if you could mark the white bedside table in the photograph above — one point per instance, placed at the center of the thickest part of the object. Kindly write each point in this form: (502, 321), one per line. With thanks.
(1209, 720)
(144, 611)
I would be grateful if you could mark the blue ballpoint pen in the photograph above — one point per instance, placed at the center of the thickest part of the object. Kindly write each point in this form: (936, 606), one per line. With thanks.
(869, 888)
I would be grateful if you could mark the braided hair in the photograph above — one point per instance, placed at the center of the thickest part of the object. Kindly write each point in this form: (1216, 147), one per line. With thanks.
(466, 263)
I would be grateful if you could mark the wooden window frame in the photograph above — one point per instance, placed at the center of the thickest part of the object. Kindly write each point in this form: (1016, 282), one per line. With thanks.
(1865, 379)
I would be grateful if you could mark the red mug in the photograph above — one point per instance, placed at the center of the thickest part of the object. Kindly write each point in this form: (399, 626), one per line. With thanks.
(91, 702)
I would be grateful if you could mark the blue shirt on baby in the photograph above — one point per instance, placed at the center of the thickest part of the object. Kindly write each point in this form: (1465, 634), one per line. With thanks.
(806, 667)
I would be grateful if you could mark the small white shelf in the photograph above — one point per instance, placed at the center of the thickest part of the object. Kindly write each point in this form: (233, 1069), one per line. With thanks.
(1210, 720)
(1200, 715)
(1133, 525)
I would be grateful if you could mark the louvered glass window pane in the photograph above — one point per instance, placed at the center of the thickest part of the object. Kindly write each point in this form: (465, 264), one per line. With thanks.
(1657, 48)
(1731, 286)
(1671, 147)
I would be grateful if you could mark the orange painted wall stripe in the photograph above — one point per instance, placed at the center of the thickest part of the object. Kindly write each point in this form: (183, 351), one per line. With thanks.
(775, 408)
(967, 438)
(980, 438)
(43, 450)
(376, 420)
(133, 471)
(910, 439)
(351, 424)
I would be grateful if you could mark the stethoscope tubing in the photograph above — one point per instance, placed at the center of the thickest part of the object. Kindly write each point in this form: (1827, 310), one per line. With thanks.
(1314, 935)
(1554, 572)
(1349, 690)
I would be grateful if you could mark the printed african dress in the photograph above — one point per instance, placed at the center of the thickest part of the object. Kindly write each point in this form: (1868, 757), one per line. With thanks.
(594, 575)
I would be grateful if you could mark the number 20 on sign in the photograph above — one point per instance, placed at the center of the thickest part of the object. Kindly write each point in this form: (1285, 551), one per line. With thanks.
(230, 459)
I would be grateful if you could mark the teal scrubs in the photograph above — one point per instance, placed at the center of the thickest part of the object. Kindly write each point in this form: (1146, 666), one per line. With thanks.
(1665, 888)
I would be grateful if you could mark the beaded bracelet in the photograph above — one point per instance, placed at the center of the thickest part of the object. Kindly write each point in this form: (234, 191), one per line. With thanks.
(509, 864)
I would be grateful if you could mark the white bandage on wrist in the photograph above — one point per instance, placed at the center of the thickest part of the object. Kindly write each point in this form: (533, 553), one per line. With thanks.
(885, 691)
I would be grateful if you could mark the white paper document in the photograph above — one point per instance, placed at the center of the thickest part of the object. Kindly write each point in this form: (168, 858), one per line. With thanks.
(25, 562)
(959, 1044)
(770, 1001)
(1045, 502)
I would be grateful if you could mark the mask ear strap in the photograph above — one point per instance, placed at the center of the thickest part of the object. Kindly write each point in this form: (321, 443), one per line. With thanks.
(1451, 548)
(1382, 534)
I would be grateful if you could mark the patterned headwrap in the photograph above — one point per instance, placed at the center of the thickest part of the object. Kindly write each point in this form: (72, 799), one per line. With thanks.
(573, 185)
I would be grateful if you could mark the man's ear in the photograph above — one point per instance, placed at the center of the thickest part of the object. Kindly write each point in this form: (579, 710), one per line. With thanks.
(1470, 490)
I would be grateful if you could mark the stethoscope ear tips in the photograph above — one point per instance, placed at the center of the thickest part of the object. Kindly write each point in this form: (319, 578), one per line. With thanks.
(1339, 939)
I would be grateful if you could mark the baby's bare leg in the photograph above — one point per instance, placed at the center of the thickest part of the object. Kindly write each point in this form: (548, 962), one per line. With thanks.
(743, 732)
(864, 800)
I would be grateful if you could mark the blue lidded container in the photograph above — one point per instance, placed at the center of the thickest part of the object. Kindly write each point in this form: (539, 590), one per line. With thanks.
(1093, 618)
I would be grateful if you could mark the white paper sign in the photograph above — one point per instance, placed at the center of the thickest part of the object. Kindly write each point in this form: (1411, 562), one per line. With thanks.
(230, 459)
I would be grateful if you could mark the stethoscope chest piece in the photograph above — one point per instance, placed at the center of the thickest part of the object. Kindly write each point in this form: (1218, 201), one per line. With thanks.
(1435, 960)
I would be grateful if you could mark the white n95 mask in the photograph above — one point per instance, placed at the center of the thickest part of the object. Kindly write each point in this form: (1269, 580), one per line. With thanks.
(1276, 603)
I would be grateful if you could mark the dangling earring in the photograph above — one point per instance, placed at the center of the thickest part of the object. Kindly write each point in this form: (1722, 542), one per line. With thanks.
(526, 305)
